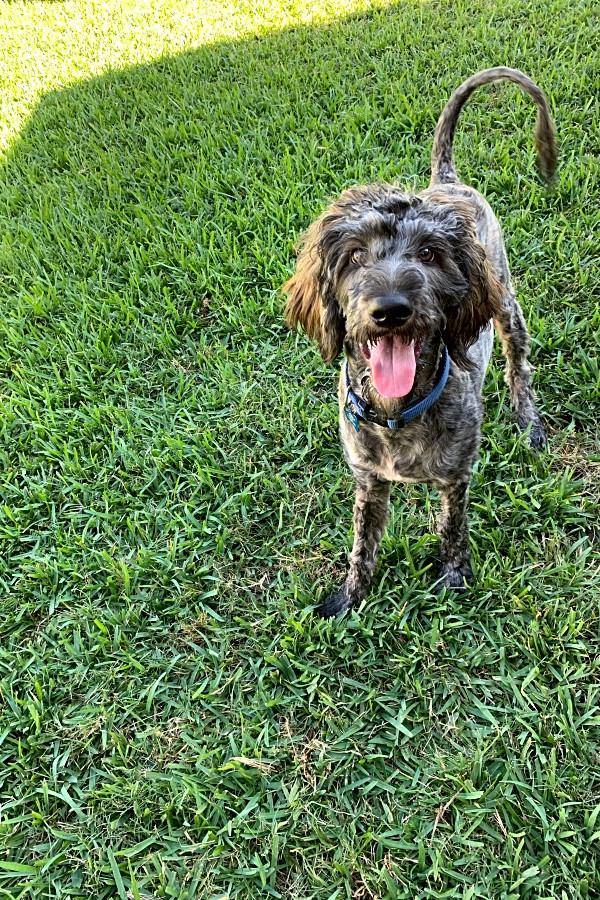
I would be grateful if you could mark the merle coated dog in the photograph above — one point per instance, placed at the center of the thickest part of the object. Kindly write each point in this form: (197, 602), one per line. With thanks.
(408, 286)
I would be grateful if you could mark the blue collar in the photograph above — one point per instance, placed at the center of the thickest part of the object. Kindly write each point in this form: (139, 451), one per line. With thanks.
(356, 408)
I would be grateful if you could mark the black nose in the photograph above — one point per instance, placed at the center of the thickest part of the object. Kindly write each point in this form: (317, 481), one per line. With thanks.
(391, 310)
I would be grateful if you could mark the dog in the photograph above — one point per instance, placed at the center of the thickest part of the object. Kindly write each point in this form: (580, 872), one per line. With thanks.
(408, 285)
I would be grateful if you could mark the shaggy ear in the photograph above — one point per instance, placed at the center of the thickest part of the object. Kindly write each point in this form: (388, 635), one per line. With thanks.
(482, 302)
(311, 297)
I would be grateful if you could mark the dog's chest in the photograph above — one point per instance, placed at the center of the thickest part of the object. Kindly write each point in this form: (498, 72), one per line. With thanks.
(429, 450)
(392, 460)
(401, 465)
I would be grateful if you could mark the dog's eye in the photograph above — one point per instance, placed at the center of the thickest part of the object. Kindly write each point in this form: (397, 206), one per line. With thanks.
(357, 256)
(426, 255)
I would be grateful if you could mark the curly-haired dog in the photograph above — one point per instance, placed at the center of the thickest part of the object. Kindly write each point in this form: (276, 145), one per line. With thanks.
(408, 285)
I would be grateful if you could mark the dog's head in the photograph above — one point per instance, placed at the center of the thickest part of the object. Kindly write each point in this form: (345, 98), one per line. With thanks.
(387, 270)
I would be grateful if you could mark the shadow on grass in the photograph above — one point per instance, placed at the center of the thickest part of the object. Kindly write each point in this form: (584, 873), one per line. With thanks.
(174, 486)
(148, 218)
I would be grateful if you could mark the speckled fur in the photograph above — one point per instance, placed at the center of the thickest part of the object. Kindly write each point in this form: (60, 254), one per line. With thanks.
(367, 244)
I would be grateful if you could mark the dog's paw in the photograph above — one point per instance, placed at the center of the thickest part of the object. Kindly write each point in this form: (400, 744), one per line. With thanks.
(537, 436)
(336, 604)
(456, 578)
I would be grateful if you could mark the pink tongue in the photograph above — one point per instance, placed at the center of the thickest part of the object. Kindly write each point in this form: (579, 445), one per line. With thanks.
(393, 366)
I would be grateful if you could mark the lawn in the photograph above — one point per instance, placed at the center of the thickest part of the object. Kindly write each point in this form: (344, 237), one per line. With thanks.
(175, 721)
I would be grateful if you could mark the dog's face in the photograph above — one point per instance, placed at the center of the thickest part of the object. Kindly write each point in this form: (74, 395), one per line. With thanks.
(386, 271)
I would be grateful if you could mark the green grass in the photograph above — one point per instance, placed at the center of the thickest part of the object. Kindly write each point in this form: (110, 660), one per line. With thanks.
(174, 722)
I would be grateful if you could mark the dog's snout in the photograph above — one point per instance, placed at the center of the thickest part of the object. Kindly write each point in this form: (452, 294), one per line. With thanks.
(391, 310)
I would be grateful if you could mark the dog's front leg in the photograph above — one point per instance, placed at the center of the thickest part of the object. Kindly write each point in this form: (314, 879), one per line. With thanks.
(453, 529)
(370, 518)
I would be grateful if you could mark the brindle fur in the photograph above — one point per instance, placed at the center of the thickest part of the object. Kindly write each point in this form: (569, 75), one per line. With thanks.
(365, 246)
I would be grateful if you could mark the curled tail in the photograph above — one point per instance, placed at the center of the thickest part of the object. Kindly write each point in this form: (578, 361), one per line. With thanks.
(442, 157)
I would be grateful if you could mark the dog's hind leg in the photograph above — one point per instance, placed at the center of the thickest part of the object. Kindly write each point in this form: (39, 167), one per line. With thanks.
(512, 330)
(370, 518)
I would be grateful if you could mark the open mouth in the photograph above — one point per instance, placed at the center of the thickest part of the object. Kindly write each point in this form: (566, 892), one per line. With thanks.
(392, 363)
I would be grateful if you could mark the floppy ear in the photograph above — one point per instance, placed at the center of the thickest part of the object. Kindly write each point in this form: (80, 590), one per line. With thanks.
(482, 302)
(312, 301)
